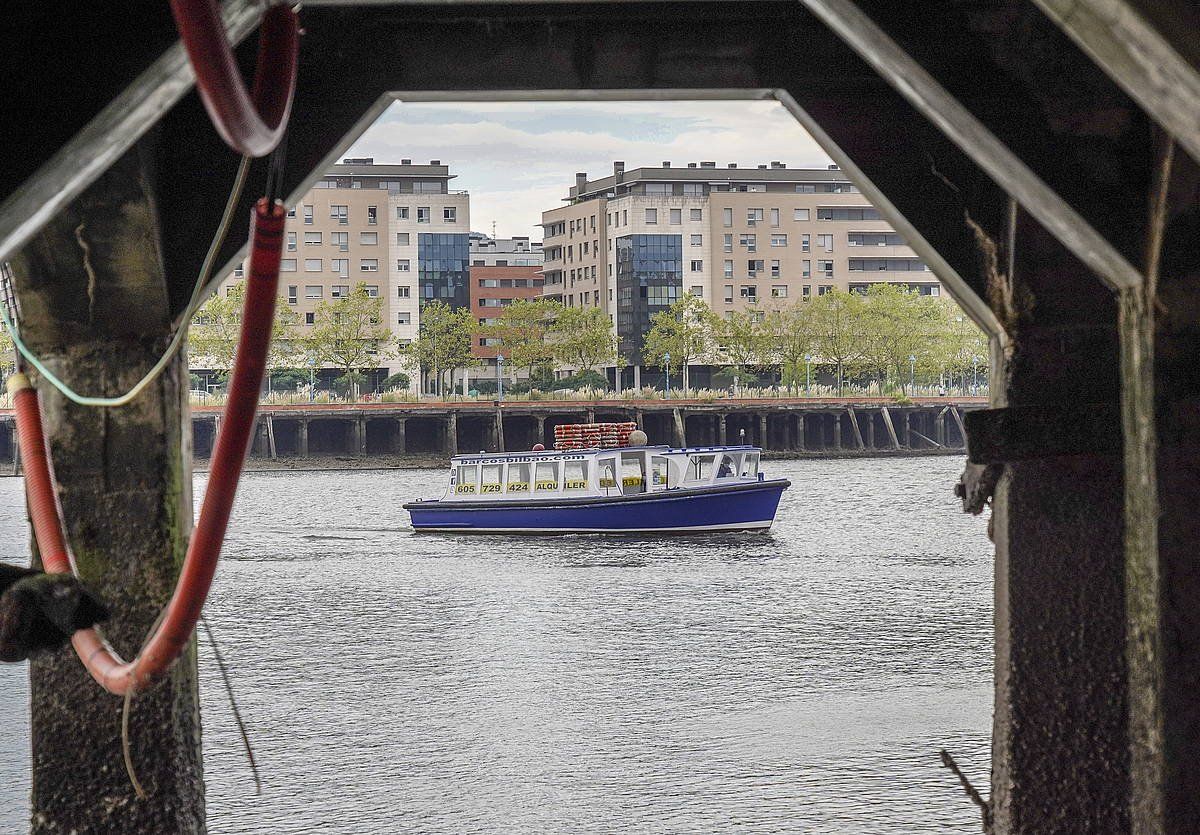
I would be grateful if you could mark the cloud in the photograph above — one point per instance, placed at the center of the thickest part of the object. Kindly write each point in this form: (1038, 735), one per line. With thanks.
(518, 159)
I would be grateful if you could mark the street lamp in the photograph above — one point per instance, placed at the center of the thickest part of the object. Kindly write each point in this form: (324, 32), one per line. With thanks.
(807, 374)
(975, 366)
(500, 378)
(912, 373)
(667, 363)
(312, 379)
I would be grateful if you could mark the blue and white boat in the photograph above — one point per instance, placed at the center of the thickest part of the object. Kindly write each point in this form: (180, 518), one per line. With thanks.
(642, 489)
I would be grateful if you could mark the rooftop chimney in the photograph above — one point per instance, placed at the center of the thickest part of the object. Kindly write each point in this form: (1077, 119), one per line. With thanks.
(708, 165)
(618, 171)
(666, 163)
(691, 165)
(762, 167)
(833, 168)
(580, 182)
(733, 165)
(777, 164)
(435, 162)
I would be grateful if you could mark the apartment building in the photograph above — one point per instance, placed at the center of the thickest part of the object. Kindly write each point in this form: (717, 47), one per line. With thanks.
(740, 238)
(400, 229)
(502, 271)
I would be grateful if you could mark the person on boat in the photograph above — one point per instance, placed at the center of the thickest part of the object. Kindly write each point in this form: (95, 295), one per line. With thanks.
(725, 471)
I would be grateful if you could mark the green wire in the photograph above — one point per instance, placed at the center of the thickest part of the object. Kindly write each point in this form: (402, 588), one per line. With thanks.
(176, 340)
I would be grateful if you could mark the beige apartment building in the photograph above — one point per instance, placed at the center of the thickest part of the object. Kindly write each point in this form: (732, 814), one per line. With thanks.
(399, 229)
(740, 238)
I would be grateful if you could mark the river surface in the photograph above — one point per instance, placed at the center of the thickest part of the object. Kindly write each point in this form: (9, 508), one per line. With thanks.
(799, 681)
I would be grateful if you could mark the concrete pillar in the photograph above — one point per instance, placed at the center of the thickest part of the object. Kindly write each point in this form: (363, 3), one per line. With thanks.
(360, 437)
(302, 438)
(639, 417)
(722, 429)
(498, 430)
(541, 429)
(837, 431)
(677, 426)
(869, 440)
(764, 439)
(400, 442)
(451, 430)
(800, 439)
(591, 415)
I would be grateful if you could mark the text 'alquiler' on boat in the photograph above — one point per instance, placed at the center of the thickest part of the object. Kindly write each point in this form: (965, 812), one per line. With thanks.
(604, 477)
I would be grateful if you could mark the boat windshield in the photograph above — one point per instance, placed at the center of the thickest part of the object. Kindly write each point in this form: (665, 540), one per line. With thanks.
(728, 467)
(750, 465)
(490, 480)
(465, 478)
(700, 468)
(518, 478)
(546, 475)
(575, 475)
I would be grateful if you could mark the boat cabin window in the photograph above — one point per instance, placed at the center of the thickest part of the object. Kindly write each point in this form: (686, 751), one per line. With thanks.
(575, 475)
(659, 472)
(490, 478)
(700, 468)
(750, 465)
(608, 472)
(546, 475)
(518, 478)
(633, 473)
(728, 467)
(465, 478)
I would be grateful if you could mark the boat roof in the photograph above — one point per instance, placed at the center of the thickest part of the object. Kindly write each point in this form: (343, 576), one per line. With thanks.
(552, 453)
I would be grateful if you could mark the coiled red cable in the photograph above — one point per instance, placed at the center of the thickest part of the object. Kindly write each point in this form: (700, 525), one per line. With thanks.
(251, 125)
(204, 549)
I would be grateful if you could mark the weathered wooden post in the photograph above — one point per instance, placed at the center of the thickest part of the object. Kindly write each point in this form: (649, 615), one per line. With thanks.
(95, 306)
(400, 442)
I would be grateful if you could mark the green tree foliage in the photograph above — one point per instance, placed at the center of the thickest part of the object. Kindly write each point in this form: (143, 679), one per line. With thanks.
(443, 343)
(8, 357)
(349, 334)
(839, 331)
(582, 337)
(685, 330)
(901, 331)
(522, 331)
(789, 335)
(743, 340)
(213, 335)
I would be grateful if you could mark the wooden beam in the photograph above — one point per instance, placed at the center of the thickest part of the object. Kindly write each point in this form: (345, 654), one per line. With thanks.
(1139, 58)
(1008, 171)
(858, 438)
(887, 421)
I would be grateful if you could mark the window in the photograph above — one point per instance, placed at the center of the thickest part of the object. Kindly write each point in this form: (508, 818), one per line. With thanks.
(658, 188)
(697, 266)
(339, 291)
(727, 244)
(402, 292)
(676, 217)
(825, 242)
(312, 291)
(728, 294)
(754, 265)
(729, 269)
(368, 265)
(727, 217)
(313, 265)
(779, 291)
(848, 213)
(340, 213)
(697, 240)
(874, 239)
(287, 265)
(779, 240)
(339, 239)
(774, 217)
(575, 475)
(308, 215)
(402, 213)
(750, 465)
(624, 217)
(292, 291)
(341, 266)
(492, 282)
(449, 214)
(310, 318)
(404, 318)
(806, 188)
(700, 468)
(490, 480)
(465, 478)
(775, 269)
(545, 475)
(372, 290)
(824, 288)
(805, 243)
(368, 238)
(518, 478)
(427, 187)
(291, 241)
(693, 188)
(696, 214)
(825, 267)
(728, 467)
(372, 215)
(697, 290)
(806, 268)
(422, 214)
(806, 290)
(749, 241)
(651, 215)
(402, 265)
(291, 212)
(754, 216)
(750, 292)
(402, 239)
(799, 214)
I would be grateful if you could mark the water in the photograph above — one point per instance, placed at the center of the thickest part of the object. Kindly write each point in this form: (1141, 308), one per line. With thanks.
(801, 681)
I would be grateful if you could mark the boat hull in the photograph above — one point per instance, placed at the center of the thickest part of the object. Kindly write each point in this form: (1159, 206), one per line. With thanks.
(737, 507)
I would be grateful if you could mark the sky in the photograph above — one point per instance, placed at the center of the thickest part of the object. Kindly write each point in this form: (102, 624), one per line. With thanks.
(518, 159)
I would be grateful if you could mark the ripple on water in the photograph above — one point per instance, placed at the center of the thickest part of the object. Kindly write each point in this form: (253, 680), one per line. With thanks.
(801, 681)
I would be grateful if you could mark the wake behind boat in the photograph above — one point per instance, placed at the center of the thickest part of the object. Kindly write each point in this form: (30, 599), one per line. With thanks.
(626, 488)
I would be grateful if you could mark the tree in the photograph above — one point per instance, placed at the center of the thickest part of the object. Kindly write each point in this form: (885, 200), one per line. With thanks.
(743, 339)
(215, 328)
(521, 332)
(838, 331)
(349, 334)
(582, 337)
(789, 334)
(960, 342)
(684, 330)
(443, 342)
(901, 330)
(8, 359)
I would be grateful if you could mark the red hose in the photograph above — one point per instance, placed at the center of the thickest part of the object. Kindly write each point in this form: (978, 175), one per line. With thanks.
(200, 564)
(251, 125)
